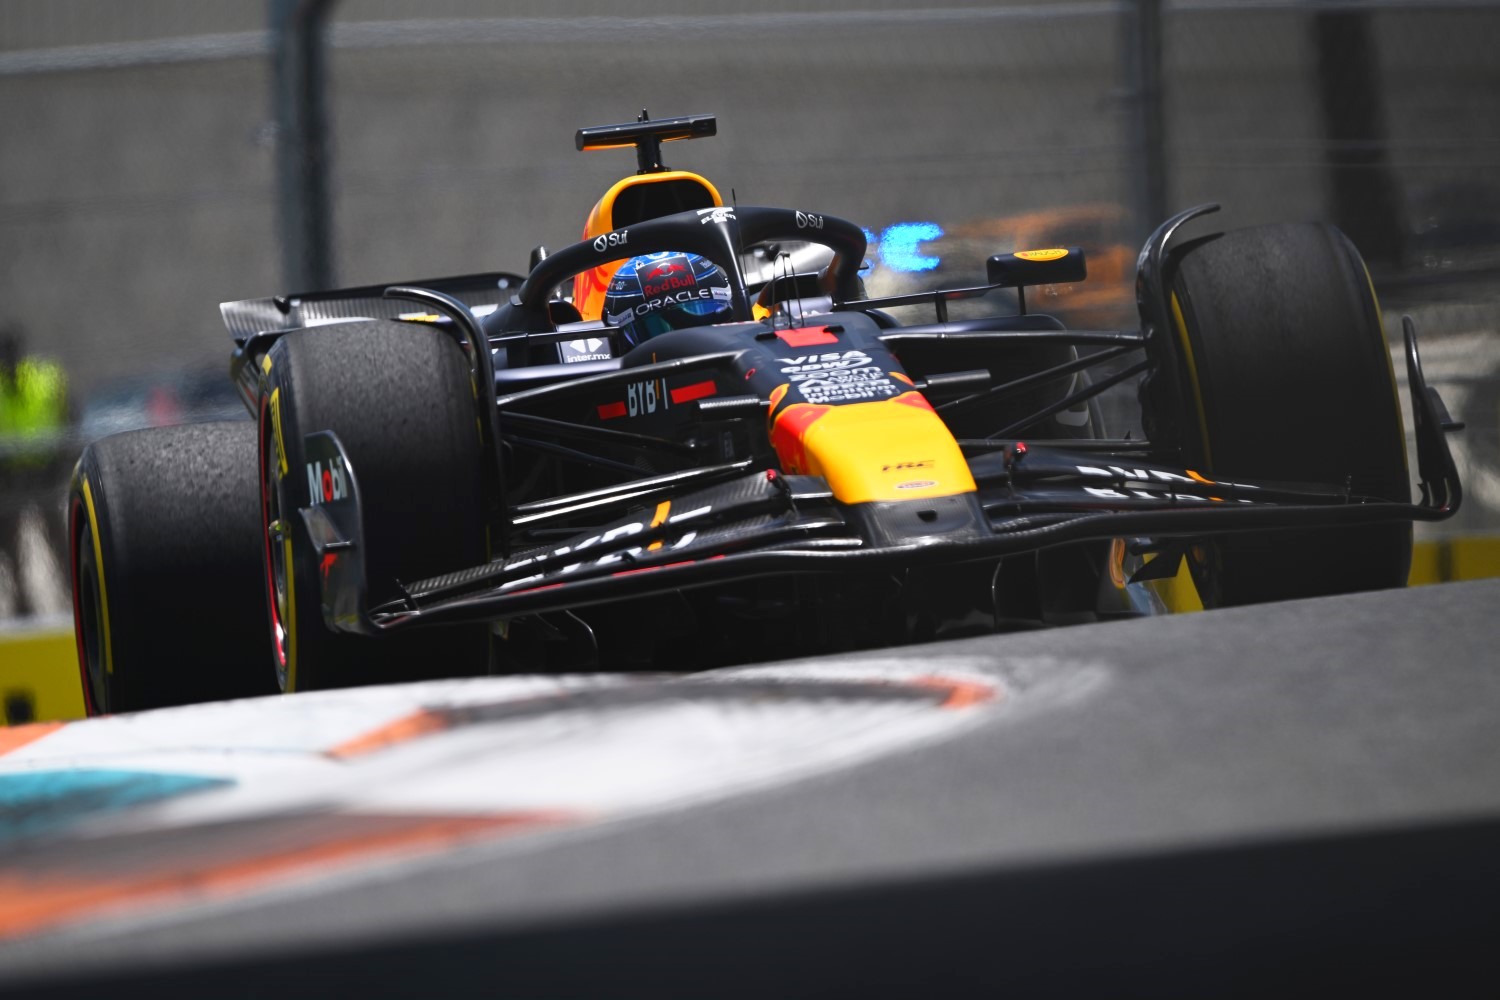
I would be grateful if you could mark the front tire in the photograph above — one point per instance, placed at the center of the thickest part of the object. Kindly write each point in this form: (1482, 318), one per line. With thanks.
(401, 400)
(1287, 377)
(164, 546)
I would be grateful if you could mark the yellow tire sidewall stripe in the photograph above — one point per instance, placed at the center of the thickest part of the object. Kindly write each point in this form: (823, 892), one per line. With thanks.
(88, 503)
(276, 432)
(288, 620)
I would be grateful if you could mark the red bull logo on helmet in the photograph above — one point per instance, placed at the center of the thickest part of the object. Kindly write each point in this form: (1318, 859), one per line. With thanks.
(670, 274)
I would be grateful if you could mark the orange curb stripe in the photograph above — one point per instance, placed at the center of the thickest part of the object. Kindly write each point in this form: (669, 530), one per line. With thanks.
(29, 905)
(961, 694)
(16, 737)
(403, 730)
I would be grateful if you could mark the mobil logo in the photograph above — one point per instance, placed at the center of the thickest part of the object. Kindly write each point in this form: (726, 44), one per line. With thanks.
(327, 481)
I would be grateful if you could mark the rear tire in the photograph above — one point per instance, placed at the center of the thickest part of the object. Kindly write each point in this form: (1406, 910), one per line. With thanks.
(164, 545)
(1287, 377)
(401, 400)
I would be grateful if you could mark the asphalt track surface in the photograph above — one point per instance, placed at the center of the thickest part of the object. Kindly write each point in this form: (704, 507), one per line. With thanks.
(1289, 798)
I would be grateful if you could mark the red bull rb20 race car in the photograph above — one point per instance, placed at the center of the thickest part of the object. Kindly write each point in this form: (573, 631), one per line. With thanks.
(717, 449)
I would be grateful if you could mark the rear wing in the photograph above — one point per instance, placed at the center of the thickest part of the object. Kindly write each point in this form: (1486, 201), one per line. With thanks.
(249, 317)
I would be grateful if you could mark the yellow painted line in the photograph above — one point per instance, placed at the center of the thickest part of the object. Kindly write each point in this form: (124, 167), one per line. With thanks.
(1466, 558)
(1424, 564)
(40, 670)
(1440, 561)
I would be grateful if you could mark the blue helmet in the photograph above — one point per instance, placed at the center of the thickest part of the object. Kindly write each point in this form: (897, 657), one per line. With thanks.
(666, 291)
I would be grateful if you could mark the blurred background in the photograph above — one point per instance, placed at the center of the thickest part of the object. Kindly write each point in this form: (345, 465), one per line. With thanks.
(162, 156)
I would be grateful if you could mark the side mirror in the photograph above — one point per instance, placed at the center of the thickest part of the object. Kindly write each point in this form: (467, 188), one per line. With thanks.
(1037, 267)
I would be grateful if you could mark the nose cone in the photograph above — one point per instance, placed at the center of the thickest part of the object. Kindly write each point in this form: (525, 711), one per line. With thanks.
(886, 450)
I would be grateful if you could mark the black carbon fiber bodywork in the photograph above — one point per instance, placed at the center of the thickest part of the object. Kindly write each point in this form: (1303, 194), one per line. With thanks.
(654, 471)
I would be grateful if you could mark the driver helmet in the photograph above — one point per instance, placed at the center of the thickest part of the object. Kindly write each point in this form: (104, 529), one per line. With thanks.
(666, 291)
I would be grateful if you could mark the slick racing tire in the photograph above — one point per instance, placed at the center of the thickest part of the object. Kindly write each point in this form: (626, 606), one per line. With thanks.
(164, 547)
(400, 399)
(1287, 378)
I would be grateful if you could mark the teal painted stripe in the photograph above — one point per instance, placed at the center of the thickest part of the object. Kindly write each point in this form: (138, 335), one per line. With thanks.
(45, 801)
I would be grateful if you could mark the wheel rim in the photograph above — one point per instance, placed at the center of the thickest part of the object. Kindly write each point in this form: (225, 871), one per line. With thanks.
(278, 590)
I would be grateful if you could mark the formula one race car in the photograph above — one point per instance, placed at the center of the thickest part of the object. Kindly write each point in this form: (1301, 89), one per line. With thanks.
(486, 474)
